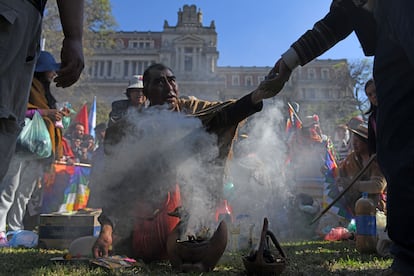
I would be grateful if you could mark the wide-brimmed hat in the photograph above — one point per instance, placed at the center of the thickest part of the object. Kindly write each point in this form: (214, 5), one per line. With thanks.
(46, 62)
(360, 130)
(355, 122)
(136, 81)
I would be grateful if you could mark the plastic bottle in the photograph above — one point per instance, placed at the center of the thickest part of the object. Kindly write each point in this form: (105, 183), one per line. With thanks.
(366, 229)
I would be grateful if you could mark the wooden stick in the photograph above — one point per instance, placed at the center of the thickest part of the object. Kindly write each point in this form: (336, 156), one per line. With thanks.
(361, 172)
(73, 164)
(294, 113)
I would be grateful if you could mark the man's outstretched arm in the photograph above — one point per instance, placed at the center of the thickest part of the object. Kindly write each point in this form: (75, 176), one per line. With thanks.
(343, 18)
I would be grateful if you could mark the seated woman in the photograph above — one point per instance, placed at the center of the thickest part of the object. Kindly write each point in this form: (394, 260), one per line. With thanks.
(372, 181)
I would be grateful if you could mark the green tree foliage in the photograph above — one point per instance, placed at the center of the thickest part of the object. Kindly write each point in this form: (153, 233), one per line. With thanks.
(98, 25)
(361, 72)
(98, 16)
(355, 103)
(52, 35)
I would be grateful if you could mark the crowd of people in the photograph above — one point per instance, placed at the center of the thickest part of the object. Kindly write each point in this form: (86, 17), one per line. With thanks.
(384, 29)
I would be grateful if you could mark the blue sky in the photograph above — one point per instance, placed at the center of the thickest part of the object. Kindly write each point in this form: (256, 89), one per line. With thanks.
(250, 33)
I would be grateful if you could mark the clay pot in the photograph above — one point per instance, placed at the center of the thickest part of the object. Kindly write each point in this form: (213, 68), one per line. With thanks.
(195, 255)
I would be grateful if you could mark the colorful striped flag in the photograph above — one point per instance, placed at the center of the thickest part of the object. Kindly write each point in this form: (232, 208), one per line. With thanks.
(56, 182)
(76, 194)
(330, 161)
(330, 189)
(293, 122)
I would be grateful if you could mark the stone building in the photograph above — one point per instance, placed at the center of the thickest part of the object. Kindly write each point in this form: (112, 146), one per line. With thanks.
(190, 49)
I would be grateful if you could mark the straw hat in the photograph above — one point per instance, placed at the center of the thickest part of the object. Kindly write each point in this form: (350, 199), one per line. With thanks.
(360, 130)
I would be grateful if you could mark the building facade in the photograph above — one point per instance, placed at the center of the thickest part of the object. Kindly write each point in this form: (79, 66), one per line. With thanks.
(190, 49)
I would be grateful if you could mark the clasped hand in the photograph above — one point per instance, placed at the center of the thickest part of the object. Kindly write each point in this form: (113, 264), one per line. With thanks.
(274, 81)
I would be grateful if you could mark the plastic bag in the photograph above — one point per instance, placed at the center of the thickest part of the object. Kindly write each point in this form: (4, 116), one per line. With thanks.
(23, 238)
(338, 234)
(66, 122)
(34, 139)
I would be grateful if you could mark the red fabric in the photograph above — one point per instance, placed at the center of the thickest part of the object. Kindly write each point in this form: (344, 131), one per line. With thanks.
(224, 209)
(67, 149)
(338, 234)
(315, 134)
(82, 117)
(150, 235)
(63, 168)
(293, 120)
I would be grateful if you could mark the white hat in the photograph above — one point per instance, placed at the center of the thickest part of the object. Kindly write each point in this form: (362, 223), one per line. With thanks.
(136, 82)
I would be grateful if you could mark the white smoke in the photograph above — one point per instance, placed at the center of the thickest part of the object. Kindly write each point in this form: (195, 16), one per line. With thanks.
(161, 148)
(259, 171)
(266, 184)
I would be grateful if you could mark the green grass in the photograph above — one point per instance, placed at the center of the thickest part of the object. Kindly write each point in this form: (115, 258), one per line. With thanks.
(304, 258)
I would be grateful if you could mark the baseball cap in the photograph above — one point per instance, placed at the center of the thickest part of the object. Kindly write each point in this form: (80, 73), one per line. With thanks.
(46, 62)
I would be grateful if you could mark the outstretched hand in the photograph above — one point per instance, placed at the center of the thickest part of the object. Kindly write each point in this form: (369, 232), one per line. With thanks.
(273, 83)
(72, 63)
(280, 70)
